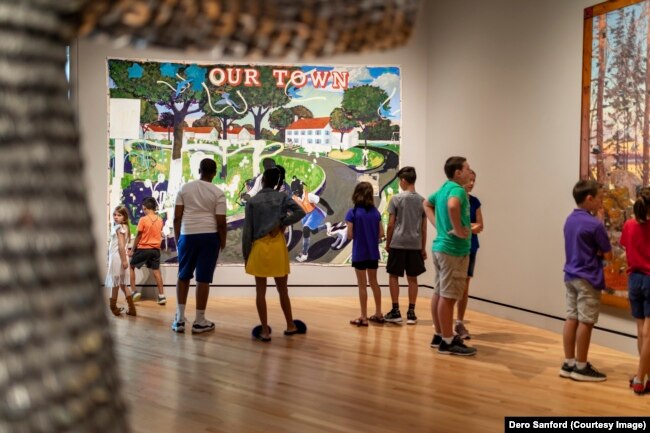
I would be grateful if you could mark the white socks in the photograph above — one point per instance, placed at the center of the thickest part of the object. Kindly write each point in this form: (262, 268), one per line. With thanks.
(180, 312)
(200, 316)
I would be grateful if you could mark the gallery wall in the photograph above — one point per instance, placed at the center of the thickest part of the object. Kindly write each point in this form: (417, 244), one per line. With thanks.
(504, 90)
(498, 82)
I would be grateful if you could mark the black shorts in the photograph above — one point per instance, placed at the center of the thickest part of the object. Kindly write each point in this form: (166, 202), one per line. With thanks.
(149, 258)
(472, 262)
(365, 264)
(410, 261)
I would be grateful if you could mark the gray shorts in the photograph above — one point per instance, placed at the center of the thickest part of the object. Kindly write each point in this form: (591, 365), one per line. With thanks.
(582, 301)
(451, 275)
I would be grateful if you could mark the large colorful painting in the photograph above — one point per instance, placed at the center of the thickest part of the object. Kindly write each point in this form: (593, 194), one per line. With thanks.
(328, 126)
(615, 138)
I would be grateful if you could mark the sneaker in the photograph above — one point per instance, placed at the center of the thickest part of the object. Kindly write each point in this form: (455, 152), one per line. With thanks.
(436, 340)
(206, 326)
(136, 296)
(162, 300)
(588, 374)
(393, 316)
(178, 326)
(328, 227)
(301, 258)
(411, 318)
(566, 370)
(638, 388)
(461, 331)
(456, 347)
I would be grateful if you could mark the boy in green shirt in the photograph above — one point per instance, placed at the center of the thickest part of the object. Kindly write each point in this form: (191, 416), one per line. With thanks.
(448, 211)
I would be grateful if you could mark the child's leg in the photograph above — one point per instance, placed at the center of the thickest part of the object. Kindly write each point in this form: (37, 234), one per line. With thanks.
(376, 291)
(393, 284)
(644, 358)
(132, 276)
(285, 302)
(435, 300)
(260, 303)
(125, 290)
(363, 293)
(113, 302)
(159, 281)
(446, 316)
(182, 289)
(114, 291)
(639, 334)
(569, 338)
(462, 303)
(583, 339)
(413, 289)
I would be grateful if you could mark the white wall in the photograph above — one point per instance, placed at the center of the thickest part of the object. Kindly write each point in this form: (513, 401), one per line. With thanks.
(504, 91)
(90, 65)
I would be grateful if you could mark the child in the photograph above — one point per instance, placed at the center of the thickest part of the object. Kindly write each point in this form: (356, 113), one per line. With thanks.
(146, 246)
(635, 238)
(366, 230)
(448, 211)
(116, 276)
(264, 247)
(585, 244)
(476, 220)
(406, 238)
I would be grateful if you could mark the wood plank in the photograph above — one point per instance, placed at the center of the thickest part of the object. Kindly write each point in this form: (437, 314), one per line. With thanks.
(340, 378)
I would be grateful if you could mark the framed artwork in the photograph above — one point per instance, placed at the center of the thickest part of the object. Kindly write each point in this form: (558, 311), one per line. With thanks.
(615, 122)
(329, 126)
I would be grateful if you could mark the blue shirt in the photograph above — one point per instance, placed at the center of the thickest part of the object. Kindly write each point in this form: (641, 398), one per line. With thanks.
(474, 205)
(365, 232)
(585, 238)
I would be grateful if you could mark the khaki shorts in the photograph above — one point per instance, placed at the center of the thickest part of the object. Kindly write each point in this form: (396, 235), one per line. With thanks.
(582, 301)
(451, 275)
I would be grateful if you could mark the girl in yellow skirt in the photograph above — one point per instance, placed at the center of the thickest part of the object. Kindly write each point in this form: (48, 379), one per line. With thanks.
(265, 250)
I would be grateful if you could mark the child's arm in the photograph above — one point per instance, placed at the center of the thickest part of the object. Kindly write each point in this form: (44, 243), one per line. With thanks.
(222, 229)
(453, 207)
(424, 237)
(389, 230)
(477, 227)
(382, 236)
(178, 219)
(121, 245)
(429, 211)
(350, 230)
(135, 243)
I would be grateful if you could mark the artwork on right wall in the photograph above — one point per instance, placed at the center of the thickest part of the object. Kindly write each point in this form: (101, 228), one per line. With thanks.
(615, 123)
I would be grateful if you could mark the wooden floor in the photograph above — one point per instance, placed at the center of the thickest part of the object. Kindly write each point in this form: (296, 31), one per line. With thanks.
(340, 378)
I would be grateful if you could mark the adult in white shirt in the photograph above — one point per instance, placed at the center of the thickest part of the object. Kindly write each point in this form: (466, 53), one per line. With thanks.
(200, 232)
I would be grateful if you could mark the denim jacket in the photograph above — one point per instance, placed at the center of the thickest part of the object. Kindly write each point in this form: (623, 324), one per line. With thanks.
(264, 212)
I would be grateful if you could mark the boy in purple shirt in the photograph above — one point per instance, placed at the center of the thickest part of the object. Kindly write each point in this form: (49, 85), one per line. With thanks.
(585, 243)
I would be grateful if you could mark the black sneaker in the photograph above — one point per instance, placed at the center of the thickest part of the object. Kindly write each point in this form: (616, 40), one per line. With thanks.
(411, 318)
(456, 347)
(588, 374)
(393, 316)
(206, 326)
(436, 340)
(566, 370)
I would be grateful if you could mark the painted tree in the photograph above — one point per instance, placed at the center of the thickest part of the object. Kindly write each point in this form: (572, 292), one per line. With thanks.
(382, 130)
(339, 121)
(262, 99)
(302, 112)
(600, 90)
(209, 120)
(280, 119)
(176, 87)
(645, 170)
(362, 103)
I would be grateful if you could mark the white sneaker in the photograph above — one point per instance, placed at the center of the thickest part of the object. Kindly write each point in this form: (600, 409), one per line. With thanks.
(162, 300)
(301, 258)
(136, 296)
(329, 229)
(206, 326)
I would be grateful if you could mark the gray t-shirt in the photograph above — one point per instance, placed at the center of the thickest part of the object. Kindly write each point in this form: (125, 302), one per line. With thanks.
(407, 208)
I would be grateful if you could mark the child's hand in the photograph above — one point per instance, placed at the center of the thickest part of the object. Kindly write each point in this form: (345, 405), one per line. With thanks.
(130, 253)
(465, 232)
(424, 254)
(125, 264)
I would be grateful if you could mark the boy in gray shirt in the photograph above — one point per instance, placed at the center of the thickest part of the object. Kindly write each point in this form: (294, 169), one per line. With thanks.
(405, 243)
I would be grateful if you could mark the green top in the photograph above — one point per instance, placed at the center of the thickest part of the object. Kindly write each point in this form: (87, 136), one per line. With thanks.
(444, 242)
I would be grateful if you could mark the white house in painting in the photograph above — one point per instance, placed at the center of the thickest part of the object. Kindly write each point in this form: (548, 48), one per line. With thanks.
(155, 132)
(317, 135)
(207, 133)
(240, 133)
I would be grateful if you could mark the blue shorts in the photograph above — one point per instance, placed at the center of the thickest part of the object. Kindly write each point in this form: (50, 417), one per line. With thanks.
(638, 286)
(314, 219)
(198, 253)
(472, 263)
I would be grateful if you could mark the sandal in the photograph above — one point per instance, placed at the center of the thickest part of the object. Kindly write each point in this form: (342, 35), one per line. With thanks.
(377, 319)
(359, 322)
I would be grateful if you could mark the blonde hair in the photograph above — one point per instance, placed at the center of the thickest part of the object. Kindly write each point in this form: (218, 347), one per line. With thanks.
(125, 215)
